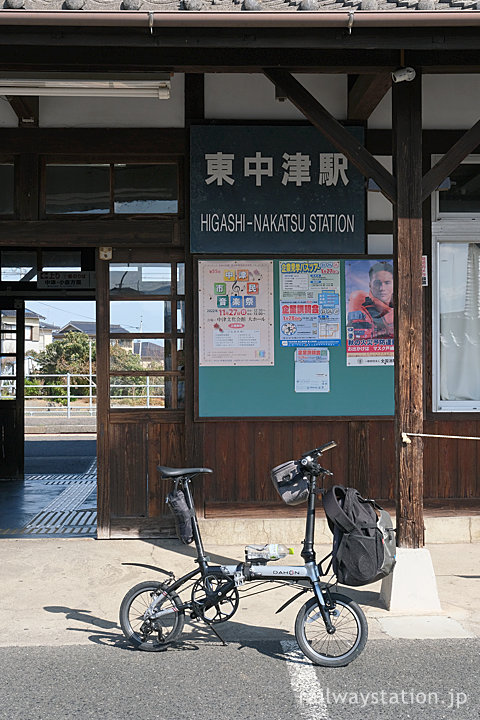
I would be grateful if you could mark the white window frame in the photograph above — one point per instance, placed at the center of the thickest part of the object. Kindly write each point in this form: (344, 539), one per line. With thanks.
(464, 230)
(436, 214)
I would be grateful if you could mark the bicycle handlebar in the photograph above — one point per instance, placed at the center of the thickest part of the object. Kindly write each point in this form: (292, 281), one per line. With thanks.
(323, 448)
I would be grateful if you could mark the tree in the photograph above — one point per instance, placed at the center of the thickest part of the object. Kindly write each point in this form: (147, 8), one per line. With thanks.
(71, 355)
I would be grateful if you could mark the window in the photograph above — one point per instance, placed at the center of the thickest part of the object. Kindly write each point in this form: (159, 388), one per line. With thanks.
(456, 326)
(111, 189)
(456, 292)
(147, 331)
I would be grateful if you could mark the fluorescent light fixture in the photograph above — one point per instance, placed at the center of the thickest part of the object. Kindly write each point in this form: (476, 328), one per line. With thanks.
(154, 85)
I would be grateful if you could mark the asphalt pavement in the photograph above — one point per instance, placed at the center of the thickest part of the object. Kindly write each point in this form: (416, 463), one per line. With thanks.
(198, 679)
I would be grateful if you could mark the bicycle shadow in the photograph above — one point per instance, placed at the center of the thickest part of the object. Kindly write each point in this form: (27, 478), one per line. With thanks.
(189, 551)
(196, 636)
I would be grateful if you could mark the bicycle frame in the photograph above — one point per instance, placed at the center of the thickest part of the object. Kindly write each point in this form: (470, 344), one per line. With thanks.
(152, 614)
(247, 571)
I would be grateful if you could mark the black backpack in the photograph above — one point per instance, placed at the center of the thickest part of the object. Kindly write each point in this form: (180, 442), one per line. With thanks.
(364, 547)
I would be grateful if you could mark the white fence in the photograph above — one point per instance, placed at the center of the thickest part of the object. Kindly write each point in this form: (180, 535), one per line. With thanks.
(74, 395)
(70, 394)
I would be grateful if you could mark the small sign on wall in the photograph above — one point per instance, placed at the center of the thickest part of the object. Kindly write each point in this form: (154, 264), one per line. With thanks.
(66, 280)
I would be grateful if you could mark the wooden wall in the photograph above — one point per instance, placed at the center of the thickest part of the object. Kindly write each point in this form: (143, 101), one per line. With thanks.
(137, 493)
(241, 453)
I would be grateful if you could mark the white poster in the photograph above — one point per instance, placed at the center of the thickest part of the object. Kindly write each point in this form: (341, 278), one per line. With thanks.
(235, 312)
(312, 370)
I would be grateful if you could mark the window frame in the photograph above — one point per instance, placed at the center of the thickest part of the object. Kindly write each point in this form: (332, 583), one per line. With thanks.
(111, 215)
(437, 215)
(174, 376)
(461, 229)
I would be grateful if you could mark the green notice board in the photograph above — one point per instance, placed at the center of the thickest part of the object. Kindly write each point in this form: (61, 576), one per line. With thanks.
(270, 391)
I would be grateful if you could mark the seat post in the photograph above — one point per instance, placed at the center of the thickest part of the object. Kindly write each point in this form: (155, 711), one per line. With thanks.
(201, 557)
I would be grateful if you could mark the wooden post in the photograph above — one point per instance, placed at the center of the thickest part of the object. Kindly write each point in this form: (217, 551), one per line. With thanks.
(407, 161)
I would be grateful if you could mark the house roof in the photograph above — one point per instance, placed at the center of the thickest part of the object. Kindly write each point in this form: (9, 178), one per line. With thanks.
(89, 328)
(28, 313)
(76, 11)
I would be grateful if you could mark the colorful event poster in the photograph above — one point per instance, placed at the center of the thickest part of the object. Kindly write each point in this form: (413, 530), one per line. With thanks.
(309, 303)
(235, 312)
(370, 314)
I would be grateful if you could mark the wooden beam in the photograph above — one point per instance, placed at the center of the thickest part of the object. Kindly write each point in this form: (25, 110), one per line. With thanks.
(332, 130)
(194, 96)
(407, 154)
(451, 160)
(365, 94)
(26, 109)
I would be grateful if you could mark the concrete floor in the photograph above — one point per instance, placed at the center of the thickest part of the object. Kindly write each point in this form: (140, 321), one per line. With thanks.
(58, 495)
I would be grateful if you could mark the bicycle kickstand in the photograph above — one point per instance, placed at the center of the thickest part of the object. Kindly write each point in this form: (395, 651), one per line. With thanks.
(210, 625)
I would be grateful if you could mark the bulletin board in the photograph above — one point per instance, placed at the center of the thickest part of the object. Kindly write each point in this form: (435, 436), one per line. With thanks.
(270, 391)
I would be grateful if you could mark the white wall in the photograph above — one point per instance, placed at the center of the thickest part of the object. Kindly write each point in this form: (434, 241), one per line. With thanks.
(449, 102)
(252, 97)
(118, 112)
(7, 117)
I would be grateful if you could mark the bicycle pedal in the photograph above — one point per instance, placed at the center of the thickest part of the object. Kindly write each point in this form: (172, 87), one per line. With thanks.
(238, 578)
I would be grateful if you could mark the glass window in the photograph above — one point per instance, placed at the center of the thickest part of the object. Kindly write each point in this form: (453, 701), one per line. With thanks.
(7, 186)
(457, 327)
(18, 265)
(140, 279)
(145, 189)
(62, 260)
(154, 316)
(147, 355)
(181, 278)
(128, 391)
(464, 193)
(77, 189)
(138, 354)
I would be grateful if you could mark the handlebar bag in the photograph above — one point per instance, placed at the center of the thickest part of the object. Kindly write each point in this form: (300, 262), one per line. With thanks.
(290, 482)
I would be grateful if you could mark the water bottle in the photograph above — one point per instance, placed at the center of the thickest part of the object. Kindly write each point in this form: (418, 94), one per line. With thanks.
(273, 551)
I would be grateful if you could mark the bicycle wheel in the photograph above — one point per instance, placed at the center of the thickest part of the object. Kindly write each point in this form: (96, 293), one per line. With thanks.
(151, 616)
(344, 645)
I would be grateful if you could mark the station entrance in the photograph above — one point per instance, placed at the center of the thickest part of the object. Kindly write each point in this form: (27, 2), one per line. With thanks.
(134, 381)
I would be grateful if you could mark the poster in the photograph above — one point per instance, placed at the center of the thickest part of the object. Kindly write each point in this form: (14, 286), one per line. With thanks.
(235, 312)
(312, 370)
(309, 303)
(370, 313)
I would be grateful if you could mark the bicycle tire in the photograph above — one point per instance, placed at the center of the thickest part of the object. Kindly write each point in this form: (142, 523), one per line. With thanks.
(164, 630)
(339, 649)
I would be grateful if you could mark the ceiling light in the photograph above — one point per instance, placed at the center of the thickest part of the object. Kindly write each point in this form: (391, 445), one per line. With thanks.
(84, 85)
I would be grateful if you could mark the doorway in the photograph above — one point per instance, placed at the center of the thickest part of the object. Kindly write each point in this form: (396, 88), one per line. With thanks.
(48, 393)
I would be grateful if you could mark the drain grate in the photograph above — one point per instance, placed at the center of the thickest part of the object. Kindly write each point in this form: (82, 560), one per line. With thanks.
(62, 478)
(76, 522)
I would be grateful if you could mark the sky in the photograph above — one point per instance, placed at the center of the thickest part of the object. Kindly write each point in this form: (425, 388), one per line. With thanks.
(133, 316)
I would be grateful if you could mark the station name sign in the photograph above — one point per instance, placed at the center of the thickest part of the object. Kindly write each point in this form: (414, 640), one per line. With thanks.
(273, 189)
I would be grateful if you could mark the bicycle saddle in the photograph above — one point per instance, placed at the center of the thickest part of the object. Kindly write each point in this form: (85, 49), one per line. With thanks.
(180, 472)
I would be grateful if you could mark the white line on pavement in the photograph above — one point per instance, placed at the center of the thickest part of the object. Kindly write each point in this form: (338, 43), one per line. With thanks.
(303, 679)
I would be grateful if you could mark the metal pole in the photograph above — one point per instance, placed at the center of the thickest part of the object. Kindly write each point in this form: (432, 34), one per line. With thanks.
(68, 395)
(90, 377)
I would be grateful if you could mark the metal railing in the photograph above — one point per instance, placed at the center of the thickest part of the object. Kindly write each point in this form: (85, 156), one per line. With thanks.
(74, 394)
(69, 394)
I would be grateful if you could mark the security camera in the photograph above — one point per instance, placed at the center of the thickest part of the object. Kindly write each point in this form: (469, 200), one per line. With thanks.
(406, 73)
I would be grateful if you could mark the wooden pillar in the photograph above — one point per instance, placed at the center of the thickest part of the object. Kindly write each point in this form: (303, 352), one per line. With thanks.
(407, 161)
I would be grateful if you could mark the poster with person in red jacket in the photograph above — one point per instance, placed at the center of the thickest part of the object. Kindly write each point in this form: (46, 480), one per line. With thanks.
(370, 312)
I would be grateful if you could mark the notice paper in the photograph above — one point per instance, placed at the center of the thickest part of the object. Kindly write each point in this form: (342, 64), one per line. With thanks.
(312, 370)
